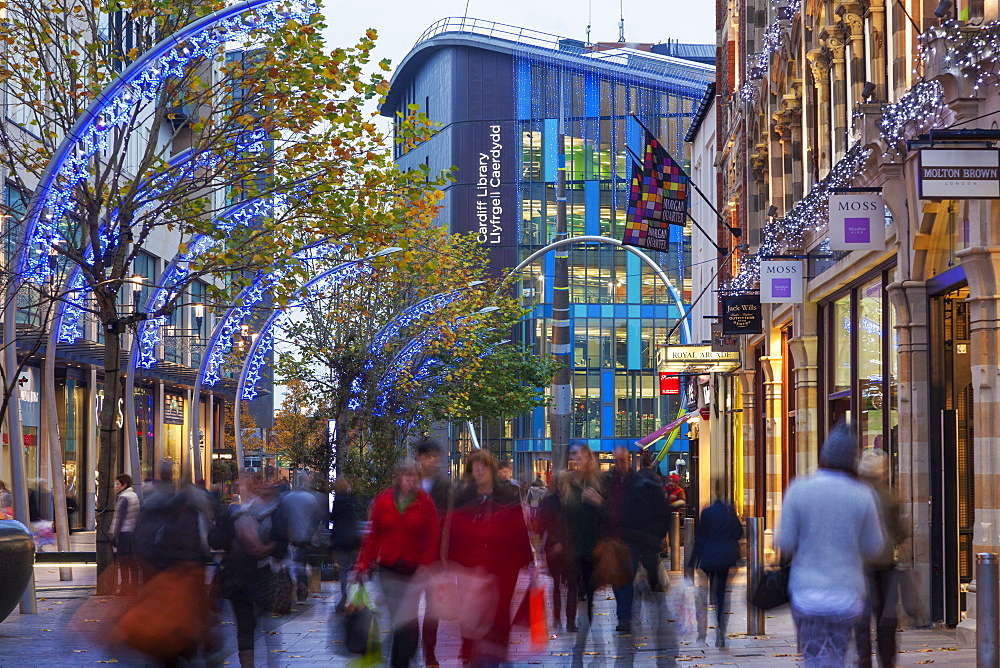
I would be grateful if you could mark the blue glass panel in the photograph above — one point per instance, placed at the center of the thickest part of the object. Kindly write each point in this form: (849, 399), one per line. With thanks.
(523, 90)
(538, 422)
(607, 403)
(550, 150)
(593, 310)
(592, 96)
(621, 310)
(633, 285)
(592, 213)
(649, 311)
(634, 311)
(634, 343)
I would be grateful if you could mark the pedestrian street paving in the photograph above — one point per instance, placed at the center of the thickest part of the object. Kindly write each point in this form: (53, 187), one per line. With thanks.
(68, 631)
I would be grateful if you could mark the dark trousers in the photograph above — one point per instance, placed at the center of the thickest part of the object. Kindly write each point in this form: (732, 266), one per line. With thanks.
(246, 623)
(882, 597)
(580, 576)
(717, 581)
(128, 569)
(429, 635)
(402, 596)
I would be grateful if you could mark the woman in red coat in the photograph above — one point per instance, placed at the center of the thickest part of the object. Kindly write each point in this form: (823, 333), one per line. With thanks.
(403, 536)
(487, 530)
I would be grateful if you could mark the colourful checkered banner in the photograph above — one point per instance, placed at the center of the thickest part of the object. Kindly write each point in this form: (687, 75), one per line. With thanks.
(657, 200)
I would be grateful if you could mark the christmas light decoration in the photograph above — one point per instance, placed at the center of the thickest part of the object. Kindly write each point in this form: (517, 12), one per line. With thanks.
(141, 83)
(773, 39)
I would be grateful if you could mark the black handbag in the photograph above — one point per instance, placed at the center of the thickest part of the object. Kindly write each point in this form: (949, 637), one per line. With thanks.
(772, 587)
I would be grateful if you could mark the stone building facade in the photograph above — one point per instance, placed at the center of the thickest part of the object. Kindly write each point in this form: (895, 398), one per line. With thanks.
(816, 97)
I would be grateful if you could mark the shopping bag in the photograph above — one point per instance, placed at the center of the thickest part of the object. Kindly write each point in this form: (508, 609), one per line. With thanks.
(682, 603)
(612, 563)
(536, 613)
(360, 621)
(772, 587)
(276, 589)
(466, 595)
(169, 616)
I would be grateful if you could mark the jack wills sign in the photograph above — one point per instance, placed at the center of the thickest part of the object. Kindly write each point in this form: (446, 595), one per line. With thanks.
(857, 221)
(741, 315)
(781, 282)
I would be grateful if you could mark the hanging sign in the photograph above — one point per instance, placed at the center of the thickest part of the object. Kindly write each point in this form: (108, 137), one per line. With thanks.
(670, 383)
(741, 315)
(959, 173)
(857, 221)
(781, 282)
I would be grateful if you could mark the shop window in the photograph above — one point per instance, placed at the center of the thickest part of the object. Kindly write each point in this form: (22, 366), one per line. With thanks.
(840, 339)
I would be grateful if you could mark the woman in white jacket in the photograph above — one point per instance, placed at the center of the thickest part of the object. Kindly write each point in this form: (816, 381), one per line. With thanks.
(829, 527)
(126, 514)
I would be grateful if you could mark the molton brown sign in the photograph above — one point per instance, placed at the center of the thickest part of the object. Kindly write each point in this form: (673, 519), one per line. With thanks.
(959, 173)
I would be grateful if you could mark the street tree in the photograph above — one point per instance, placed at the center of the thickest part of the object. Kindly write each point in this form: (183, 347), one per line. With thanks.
(454, 362)
(254, 113)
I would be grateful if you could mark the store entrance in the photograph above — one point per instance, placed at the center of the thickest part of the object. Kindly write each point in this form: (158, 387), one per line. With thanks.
(951, 457)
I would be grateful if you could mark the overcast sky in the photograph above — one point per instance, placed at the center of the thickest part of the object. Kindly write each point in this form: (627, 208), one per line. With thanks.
(401, 22)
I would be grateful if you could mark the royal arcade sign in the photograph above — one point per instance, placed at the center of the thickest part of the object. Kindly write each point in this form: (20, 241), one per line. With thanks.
(702, 359)
(959, 173)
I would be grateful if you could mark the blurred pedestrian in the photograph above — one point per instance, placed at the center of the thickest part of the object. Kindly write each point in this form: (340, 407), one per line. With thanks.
(716, 551)
(123, 534)
(254, 539)
(486, 530)
(170, 617)
(436, 482)
(345, 535)
(883, 583)
(559, 560)
(636, 514)
(829, 527)
(403, 536)
(646, 469)
(582, 502)
(676, 496)
(6, 500)
(304, 510)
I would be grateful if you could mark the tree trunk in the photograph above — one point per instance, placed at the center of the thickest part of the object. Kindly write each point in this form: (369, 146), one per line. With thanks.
(107, 458)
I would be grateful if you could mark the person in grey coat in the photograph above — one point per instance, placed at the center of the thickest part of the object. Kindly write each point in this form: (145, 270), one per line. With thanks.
(830, 527)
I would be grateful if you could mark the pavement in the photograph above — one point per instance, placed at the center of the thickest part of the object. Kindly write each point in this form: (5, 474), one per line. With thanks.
(75, 628)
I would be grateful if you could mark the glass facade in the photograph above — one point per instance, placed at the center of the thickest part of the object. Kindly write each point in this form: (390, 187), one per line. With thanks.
(621, 311)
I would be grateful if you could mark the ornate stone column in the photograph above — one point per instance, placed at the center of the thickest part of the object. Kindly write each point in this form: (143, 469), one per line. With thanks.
(835, 41)
(876, 14)
(750, 447)
(772, 439)
(851, 15)
(804, 350)
(909, 298)
(819, 61)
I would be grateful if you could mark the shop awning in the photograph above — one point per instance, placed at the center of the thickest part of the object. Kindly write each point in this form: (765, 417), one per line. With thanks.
(653, 437)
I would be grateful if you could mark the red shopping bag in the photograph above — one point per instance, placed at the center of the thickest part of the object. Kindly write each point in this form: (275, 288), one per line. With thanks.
(536, 613)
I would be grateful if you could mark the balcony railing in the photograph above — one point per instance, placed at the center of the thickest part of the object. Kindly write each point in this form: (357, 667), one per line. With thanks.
(645, 61)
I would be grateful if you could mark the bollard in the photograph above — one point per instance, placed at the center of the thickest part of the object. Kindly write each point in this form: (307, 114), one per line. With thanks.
(755, 561)
(675, 541)
(987, 611)
(688, 539)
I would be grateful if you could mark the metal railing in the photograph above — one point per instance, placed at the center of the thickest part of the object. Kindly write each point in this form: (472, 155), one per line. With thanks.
(643, 61)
